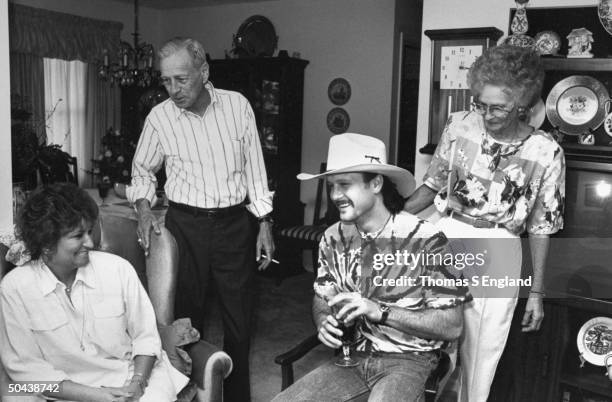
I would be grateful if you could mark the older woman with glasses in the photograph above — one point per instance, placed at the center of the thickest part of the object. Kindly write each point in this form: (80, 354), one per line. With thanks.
(76, 318)
(493, 177)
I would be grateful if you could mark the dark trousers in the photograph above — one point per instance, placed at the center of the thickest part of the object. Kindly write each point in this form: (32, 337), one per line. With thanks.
(220, 250)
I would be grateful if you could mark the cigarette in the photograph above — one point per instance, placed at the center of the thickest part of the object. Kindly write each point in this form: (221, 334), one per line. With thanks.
(273, 260)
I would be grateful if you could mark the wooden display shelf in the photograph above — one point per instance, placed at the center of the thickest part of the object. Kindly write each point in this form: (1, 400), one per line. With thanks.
(580, 65)
(592, 382)
(596, 153)
(583, 303)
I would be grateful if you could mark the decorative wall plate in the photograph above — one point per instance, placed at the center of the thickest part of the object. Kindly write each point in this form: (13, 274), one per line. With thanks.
(548, 42)
(339, 91)
(577, 104)
(338, 120)
(595, 340)
(256, 37)
(604, 10)
(520, 40)
(608, 124)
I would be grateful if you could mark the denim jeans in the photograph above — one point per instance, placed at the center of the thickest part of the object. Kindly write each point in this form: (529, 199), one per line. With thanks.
(384, 376)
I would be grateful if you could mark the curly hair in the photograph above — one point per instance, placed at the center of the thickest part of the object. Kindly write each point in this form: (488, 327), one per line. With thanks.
(193, 47)
(518, 69)
(50, 213)
(392, 199)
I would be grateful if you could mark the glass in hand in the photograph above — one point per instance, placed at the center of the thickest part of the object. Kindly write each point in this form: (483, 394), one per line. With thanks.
(347, 338)
(348, 332)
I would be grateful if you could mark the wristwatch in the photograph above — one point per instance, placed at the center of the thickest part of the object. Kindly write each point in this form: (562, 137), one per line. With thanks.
(385, 312)
(266, 218)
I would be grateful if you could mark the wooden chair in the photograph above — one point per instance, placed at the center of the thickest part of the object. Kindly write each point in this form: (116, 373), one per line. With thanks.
(307, 237)
(73, 176)
(287, 359)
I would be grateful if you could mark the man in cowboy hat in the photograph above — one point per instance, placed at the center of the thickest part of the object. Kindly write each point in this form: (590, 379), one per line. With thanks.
(403, 307)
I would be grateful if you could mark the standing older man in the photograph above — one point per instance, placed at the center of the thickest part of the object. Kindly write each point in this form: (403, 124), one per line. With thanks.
(208, 139)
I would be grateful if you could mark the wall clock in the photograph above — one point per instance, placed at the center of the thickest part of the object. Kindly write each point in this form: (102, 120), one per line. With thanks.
(452, 53)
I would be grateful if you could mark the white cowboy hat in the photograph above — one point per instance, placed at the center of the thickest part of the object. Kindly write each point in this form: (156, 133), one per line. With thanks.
(351, 153)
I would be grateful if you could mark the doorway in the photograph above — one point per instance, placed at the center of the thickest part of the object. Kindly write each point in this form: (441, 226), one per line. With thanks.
(408, 104)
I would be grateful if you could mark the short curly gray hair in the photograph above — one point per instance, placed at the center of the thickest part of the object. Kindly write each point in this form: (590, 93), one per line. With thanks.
(516, 68)
(193, 47)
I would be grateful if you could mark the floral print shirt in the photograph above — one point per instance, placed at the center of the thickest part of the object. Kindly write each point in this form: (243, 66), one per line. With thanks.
(520, 185)
(348, 262)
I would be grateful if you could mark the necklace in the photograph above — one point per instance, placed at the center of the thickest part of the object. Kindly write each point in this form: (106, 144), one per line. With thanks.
(372, 236)
(497, 151)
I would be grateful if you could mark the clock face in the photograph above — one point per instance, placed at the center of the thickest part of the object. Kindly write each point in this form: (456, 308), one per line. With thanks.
(453, 51)
(455, 61)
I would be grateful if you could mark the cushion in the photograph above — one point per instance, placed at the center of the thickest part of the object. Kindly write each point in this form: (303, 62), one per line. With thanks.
(173, 338)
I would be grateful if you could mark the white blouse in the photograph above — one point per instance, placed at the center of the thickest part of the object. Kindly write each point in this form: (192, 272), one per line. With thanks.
(90, 337)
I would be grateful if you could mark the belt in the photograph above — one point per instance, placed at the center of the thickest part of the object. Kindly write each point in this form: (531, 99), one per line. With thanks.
(470, 220)
(368, 350)
(208, 212)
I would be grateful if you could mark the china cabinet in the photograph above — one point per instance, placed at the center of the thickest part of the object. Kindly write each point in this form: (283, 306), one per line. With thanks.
(545, 365)
(275, 89)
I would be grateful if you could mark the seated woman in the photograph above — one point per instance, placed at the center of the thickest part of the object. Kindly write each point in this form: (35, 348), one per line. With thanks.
(77, 316)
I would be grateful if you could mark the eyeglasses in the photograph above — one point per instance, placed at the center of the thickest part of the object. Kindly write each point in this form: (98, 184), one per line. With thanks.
(495, 110)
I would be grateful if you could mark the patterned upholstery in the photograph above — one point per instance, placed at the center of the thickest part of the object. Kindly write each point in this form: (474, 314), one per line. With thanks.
(307, 237)
(305, 232)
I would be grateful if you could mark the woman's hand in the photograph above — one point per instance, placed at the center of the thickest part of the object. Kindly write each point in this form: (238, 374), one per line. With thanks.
(136, 389)
(534, 313)
(115, 394)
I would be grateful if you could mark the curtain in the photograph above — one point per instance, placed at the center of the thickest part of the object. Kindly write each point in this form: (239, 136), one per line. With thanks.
(81, 108)
(88, 107)
(27, 87)
(102, 111)
(57, 35)
(65, 95)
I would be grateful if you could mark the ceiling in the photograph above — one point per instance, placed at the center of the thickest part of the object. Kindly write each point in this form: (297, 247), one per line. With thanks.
(167, 4)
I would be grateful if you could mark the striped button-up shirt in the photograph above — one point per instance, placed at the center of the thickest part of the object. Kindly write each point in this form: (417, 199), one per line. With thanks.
(212, 161)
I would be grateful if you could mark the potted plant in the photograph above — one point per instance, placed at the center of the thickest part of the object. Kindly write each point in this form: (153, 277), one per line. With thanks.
(114, 163)
(34, 163)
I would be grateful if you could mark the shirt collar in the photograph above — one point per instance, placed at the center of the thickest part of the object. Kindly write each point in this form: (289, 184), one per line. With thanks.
(48, 281)
(214, 98)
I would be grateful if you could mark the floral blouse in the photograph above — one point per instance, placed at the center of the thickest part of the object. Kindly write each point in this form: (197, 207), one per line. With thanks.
(520, 185)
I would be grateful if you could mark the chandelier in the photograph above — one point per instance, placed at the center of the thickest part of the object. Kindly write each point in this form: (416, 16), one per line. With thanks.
(133, 64)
